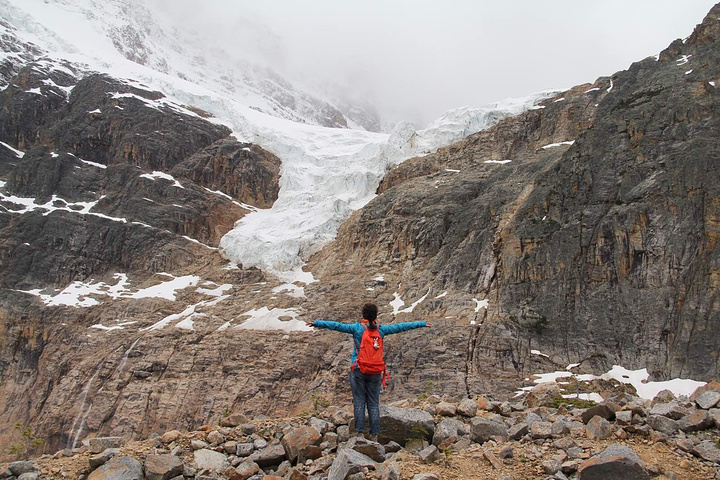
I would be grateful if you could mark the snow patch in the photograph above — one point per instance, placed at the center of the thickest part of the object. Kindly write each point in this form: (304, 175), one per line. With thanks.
(553, 145)
(500, 162)
(683, 60)
(97, 110)
(154, 175)
(17, 152)
(595, 89)
(538, 352)
(443, 294)
(688, 72)
(291, 289)
(636, 378)
(271, 319)
(480, 304)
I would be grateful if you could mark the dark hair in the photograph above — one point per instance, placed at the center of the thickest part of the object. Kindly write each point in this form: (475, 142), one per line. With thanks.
(369, 312)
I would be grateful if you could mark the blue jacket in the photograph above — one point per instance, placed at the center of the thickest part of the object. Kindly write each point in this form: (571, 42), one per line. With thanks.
(357, 329)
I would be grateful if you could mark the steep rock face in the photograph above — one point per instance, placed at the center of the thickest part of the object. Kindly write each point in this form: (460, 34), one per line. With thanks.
(95, 156)
(105, 187)
(599, 252)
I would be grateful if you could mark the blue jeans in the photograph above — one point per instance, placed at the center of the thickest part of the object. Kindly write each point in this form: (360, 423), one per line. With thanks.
(366, 391)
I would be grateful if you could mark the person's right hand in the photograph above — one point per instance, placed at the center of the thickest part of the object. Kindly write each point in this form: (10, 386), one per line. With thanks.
(428, 324)
(310, 323)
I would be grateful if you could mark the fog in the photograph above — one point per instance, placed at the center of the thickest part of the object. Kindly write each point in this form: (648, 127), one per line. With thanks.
(413, 60)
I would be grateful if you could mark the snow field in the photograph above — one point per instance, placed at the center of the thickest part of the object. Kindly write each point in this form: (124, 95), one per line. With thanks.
(636, 378)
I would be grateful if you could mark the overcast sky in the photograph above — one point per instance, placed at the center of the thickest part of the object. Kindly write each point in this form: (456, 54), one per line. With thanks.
(415, 59)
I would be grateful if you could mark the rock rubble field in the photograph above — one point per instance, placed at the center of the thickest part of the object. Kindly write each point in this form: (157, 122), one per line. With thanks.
(539, 436)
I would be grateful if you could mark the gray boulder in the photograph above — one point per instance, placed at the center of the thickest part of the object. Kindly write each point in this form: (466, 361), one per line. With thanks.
(163, 467)
(671, 410)
(517, 431)
(99, 444)
(663, 424)
(541, 430)
(698, 420)
(244, 449)
(467, 408)
(447, 428)
(482, 429)
(401, 424)
(598, 428)
(29, 476)
(708, 399)
(603, 410)
(426, 476)
(101, 458)
(707, 450)
(18, 468)
(617, 462)
(118, 468)
(273, 454)
(210, 460)
(431, 454)
(372, 449)
(531, 418)
(347, 462)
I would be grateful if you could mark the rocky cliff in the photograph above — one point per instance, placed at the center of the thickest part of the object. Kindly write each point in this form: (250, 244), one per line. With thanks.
(585, 230)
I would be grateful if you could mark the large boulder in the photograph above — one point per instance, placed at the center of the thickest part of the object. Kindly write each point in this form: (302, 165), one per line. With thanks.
(447, 428)
(347, 462)
(707, 450)
(482, 429)
(163, 467)
(617, 462)
(118, 468)
(603, 410)
(20, 467)
(468, 407)
(99, 444)
(598, 428)
(663, 424)
(299, 438)
(372, 449)
(401, 424)
(211, 460)
(273, 454)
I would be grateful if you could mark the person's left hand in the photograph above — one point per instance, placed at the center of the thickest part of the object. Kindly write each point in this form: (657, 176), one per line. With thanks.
(310, 323)
(428, 324)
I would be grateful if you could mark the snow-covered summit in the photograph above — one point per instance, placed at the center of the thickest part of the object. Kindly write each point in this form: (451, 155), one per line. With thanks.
(107, 34)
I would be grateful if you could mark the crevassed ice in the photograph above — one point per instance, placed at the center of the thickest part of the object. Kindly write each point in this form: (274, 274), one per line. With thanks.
(329, 173)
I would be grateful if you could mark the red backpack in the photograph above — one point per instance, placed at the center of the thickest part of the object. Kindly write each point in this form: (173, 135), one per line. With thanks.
(370, 354)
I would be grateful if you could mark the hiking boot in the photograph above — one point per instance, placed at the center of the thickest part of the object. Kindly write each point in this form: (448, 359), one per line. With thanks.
(360, 434)
(372, 438)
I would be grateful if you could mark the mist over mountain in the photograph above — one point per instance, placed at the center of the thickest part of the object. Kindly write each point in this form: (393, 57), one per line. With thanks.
(181, 189)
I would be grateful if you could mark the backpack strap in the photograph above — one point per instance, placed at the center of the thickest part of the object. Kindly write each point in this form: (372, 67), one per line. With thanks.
(357, 348)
